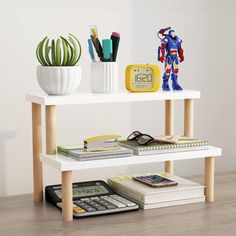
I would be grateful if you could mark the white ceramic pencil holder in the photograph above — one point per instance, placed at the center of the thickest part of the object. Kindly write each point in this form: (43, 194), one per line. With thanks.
(104, 77)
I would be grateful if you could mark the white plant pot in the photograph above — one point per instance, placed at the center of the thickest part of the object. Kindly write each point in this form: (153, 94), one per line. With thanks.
(104, 77)
(58, 80)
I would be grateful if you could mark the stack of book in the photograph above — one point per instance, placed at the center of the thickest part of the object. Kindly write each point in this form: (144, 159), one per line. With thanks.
(148, 197)
(157, 147)
(78, 153)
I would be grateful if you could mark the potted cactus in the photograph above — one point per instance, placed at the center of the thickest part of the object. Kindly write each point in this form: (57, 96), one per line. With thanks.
(59, 73)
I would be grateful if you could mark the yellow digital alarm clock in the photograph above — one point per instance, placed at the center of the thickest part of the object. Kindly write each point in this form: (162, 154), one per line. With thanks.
(142, 78)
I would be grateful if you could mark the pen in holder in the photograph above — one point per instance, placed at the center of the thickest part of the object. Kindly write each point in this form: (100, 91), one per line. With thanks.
(104, 77)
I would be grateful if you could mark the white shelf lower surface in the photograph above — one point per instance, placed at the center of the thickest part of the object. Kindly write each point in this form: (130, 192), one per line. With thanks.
(93, 98)
(63, 163)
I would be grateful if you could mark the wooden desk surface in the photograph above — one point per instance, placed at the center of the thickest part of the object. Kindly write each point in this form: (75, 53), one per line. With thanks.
(20, 216)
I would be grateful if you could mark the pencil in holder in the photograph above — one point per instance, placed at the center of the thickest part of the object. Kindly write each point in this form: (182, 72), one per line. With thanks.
(104, 77)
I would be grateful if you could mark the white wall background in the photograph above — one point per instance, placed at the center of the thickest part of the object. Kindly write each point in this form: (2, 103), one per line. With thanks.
(208, 32)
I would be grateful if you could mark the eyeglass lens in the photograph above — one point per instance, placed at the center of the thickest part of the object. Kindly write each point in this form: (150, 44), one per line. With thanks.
(144, 139)
(134, 135)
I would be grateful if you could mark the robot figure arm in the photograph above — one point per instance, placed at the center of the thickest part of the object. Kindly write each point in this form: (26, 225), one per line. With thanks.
(161, 33)
(161, 50)
(180, 50)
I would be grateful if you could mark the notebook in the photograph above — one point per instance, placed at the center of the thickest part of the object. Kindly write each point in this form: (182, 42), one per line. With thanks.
(77, 152)
(183, 145)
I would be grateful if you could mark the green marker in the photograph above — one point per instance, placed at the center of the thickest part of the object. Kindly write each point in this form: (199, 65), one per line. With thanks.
(107, 50)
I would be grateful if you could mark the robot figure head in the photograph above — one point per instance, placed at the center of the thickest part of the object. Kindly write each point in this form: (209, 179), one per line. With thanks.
(172, 34)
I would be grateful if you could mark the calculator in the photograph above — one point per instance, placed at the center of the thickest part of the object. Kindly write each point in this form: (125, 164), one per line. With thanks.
(91, 198)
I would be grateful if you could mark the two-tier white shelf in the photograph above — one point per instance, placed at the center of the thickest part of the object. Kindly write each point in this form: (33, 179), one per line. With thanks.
(66, 165)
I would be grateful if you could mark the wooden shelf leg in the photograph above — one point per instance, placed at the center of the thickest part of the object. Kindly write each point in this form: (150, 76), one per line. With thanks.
(37, 149)
(209, 178)
(67, 206)
(50, 113)
(188, 117)
(169, 167)
(169, 129)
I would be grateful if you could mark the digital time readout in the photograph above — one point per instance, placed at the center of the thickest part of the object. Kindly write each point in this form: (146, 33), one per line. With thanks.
(142, 78)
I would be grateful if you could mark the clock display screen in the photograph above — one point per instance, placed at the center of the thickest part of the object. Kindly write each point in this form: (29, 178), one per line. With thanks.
(142, 78)
(85, 191)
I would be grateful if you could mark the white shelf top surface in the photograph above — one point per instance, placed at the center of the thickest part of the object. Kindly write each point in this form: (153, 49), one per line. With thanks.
(94, 98)
(63, 163)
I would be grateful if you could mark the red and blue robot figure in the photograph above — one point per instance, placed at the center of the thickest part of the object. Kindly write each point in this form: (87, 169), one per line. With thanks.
(172, 54)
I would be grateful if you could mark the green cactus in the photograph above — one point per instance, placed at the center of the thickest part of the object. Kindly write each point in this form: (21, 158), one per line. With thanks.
(60, 52)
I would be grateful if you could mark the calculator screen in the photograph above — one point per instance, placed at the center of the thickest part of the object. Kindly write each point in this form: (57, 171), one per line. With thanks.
(86, 191)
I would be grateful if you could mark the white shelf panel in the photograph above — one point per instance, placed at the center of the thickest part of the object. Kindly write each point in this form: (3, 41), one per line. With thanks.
(92, 98)
(63, 163)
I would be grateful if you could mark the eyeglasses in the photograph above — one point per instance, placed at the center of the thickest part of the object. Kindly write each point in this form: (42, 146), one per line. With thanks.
(142, 139)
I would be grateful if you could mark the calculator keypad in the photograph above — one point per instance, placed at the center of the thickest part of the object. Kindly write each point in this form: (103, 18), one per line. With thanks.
(77, 209)
(106, 204)
(101, 205)
(122, 200)
(96, 205)
(113, 201)
(85, 206)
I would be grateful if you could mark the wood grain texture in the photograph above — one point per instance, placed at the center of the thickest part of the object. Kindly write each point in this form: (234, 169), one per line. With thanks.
(50, 112)
(37, 149)
(169, 130)
(209, 178)
(188, 117)
(169, 117)
(169, 167)
(20, 216)
(66, 180)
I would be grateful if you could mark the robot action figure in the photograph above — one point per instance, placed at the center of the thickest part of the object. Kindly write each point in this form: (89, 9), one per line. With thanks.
(170, 44)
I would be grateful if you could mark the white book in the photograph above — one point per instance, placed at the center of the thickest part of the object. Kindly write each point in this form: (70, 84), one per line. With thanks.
(173, 203)
(166, 203)
(148, 195)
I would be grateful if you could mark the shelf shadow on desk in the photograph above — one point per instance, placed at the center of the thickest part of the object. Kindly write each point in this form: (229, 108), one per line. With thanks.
(5, 136)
